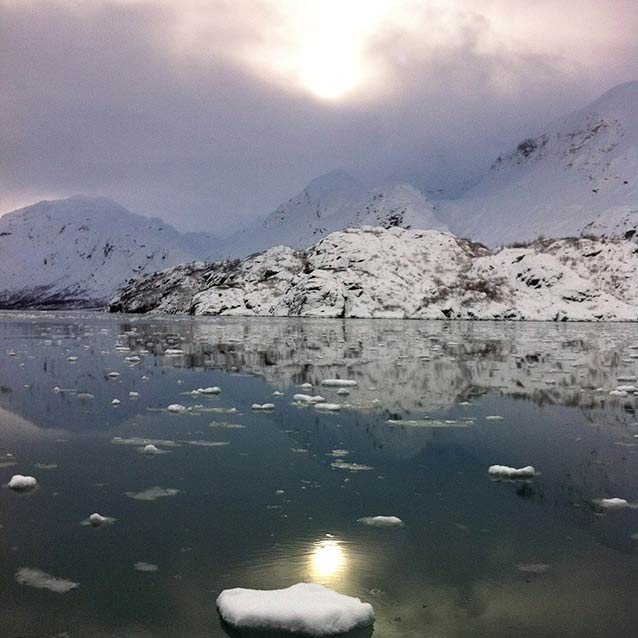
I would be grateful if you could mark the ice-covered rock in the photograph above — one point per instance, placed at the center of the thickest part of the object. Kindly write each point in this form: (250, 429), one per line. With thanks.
(303, 608)
(21, 483)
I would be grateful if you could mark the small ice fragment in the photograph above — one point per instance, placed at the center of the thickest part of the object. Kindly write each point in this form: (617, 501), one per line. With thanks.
(307, 398)
(97, 519)
(306, 386)
(343, 392)
(173, 351)
(339, 383)
(627, 378)
(133, 359)
(34, 577)
(177, 408)
(113, 375)
(381, 521)
(277, 393)
(328, 407)
(133, 395)
(71, 359)
(510, 472)
(21, 483)
(145, 567)
(152, 493)
(618, 393)
(494, 417)
(612, 503)
(263, 406)
(305, 608)
(115, 402)
(630, 389)
(150, 450)
(279, 492)
(210, 390)
(57, 390)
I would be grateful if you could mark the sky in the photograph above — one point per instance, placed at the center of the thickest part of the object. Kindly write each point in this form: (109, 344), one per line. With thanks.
(208, 113)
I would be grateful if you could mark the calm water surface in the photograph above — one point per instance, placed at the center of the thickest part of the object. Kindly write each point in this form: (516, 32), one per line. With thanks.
(267, 499)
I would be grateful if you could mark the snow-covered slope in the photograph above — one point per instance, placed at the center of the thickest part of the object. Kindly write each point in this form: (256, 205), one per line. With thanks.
(80, 251)
(579, 176)
(377, 272)
(335, 201)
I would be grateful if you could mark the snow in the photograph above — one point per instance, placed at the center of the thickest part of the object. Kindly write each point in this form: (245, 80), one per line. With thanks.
(176, 408)
(150, 450)
(115, 402)
(510, 472)
(209, 390)
(328, 407)
(96, 519)
(305, 608)
(34, 577)
(21, 483)
(381, 521)
(307, 398)
(80, 251)
(397, 273)
(263, 406)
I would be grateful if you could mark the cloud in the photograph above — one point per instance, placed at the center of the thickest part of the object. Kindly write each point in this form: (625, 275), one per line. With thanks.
(205, 112)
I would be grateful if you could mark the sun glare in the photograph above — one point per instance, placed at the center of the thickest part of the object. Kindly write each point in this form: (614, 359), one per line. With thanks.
(327, 560)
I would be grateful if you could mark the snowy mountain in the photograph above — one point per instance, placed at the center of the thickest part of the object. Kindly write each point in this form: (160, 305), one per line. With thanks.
(79, 251)
(579, 176)
(397, 273)
(335, 201)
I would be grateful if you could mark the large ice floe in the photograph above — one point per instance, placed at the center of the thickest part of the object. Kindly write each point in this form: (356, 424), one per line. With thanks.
(503, 471)
(20, 483)
(304, 608)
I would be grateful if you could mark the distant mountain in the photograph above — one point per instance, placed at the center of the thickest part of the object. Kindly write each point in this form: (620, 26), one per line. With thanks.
(335, 201)
(405, 274)
(78, 252)
(578, 176)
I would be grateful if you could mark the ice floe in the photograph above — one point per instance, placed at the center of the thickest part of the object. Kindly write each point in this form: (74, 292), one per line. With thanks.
(612, 503)
(339, 464)
(21, 483)
(173, 351)
(152, 493)
(141, 566)
(339, 383)
(263, 406)
(176, 408)
(328, 407)
(504, 471)
(210, 390)
(150, 450)
(115, 402)
(381, 521)
(303, 608)
(307, 398)
(96, 520)
(34, 577)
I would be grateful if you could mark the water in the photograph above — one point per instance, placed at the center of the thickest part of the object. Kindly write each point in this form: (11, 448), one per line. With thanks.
(475, 557)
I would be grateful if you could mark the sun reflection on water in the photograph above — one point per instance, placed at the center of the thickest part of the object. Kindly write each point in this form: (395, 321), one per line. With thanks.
(327, 560)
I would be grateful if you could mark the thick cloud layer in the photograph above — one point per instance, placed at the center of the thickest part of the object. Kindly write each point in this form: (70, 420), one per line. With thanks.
(209, 112)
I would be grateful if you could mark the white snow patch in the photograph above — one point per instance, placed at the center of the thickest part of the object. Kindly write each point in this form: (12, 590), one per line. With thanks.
(505, 471)
(307, 398)
(339, 383)
(328, 407)
(613, 503)
(21, 483)
(263, 406)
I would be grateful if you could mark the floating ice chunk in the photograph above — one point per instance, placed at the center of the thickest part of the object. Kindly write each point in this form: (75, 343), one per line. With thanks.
(303, 608)
(173, 351)
(494, 417)
(344, 392)
(263, 406)
(139, 441)
(532, 568)
(503, 471)
(95, 520)
(307, 398)
(277, 393)
(612, 503)
(150, 450)
(152, 493)
(279, 492)
(133, 395)
(618, 393)
(627, 378)
(21, 483)
(115, 402)
(428, 423)
(339, 453)
(626, 388)
(145, 567)
(210, 390)
(71, 359)
(133, 359)
(57, 389)
(200, 443)
(306, 386)
(328, 407)
(339, 383)
(85, 396)
(381, 521)
(176, 408)
(34, 577)
(340, 464)
(113, 375)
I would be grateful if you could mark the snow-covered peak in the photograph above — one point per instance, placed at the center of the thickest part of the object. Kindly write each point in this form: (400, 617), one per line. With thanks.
(80, 250)
(582, 169)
